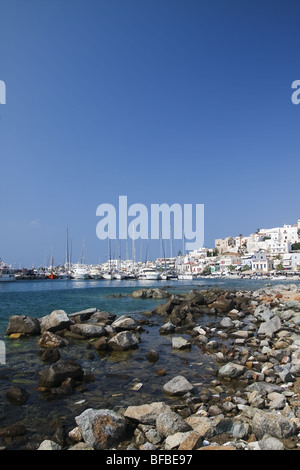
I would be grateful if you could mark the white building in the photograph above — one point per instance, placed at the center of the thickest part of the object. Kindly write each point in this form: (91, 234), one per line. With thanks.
(261, 263)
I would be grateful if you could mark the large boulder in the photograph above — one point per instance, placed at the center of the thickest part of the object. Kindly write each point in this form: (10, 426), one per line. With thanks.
(57, 320)
(59, 372)
(101, 429)
(23, 324)
(272, 424)
(270, 327)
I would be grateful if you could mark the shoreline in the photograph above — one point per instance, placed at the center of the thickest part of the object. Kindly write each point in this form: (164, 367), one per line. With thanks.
(251, 337)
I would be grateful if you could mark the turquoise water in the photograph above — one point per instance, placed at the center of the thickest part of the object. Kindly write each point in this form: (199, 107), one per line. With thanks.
(114, 373)
(39, 298)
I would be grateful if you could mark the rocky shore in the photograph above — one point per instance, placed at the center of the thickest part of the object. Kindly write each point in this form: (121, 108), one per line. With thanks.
(251, 403)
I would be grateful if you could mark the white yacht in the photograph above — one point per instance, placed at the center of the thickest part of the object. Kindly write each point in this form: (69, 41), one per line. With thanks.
(80, 272)
(119, 276)
(186, 276)
(95, 273)
(6, 274)
(150, 274)
(108, 275)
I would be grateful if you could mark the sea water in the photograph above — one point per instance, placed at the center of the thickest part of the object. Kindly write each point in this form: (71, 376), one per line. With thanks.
(115, 374)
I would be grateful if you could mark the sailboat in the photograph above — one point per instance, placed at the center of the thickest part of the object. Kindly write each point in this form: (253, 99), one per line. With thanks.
(119, 274)
(80, 271)
(108, 275)
(52, 274)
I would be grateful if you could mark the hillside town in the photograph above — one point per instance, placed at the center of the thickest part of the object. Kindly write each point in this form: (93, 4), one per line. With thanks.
(267, 251)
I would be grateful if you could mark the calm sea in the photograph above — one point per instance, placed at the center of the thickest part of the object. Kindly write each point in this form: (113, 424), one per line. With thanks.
(39, 298)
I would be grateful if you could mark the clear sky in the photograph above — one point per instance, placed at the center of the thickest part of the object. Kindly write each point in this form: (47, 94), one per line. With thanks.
(165, 101)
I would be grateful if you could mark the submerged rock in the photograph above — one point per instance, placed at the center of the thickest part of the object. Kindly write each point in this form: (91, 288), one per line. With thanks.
(150, 294)
(17, 395)
(59, 372)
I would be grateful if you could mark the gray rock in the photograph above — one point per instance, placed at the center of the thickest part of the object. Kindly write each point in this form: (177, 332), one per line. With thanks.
(231, 370)
(101, 429)
(88, 330)
(263, 388)
(240, 429)
(153, 436)
(150, 293)
(83, 315)
(173, 441)
(148, 446)
(103, 317)
(179, 385)
(124, 323)
(147, 413)
(171, 423)
(167, 328)
(270, 327)
(57, 320)
(270, 443)
(272, 424)
(49, 445)
(226, 322)
(123, 341)
(23, 324)
(180, 343)
(277, 401)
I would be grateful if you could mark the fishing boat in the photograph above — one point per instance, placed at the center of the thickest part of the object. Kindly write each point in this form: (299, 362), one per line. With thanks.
(52, 276)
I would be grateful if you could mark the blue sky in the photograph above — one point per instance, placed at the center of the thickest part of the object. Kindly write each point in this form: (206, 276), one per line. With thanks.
(165, 101)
